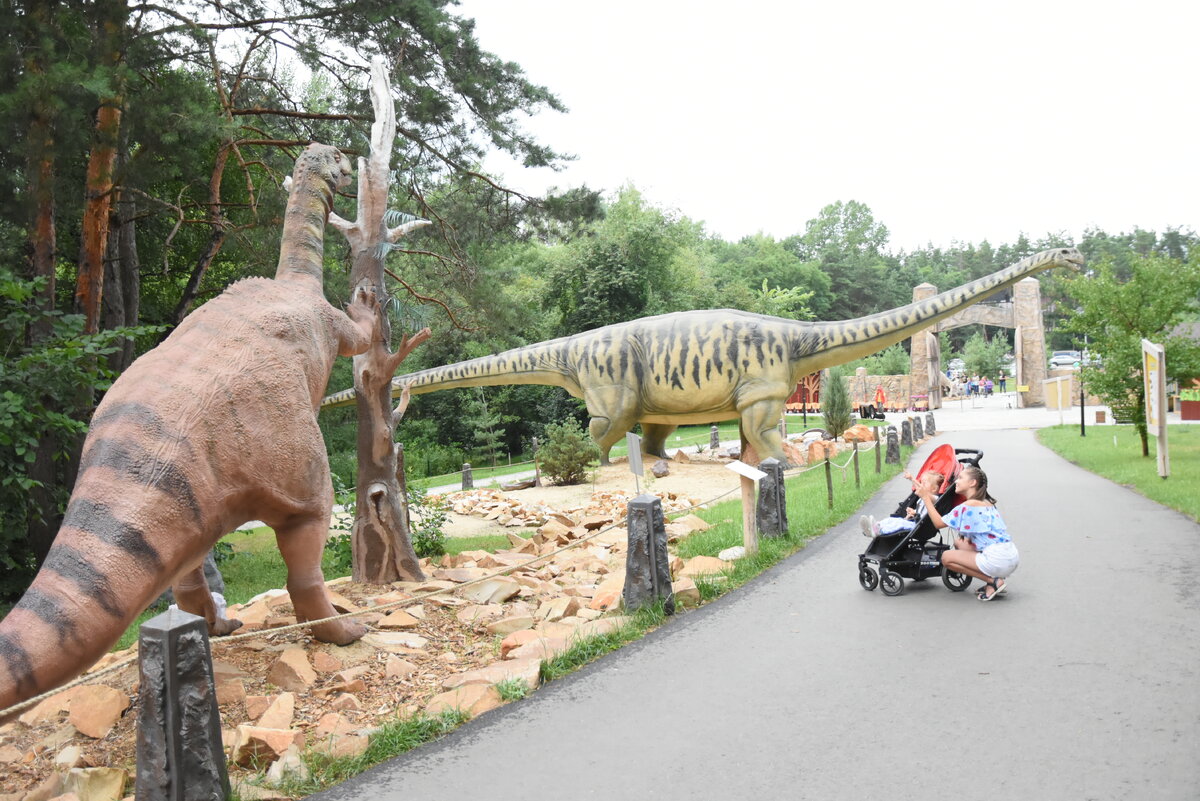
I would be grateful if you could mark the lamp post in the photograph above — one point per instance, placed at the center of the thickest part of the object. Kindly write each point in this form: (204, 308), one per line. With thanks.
(1082, 424)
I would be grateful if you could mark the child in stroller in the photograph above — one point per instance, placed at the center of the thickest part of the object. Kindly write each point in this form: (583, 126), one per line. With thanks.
(910, 510)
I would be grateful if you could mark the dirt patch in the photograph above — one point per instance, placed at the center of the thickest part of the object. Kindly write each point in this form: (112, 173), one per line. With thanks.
(703, 478)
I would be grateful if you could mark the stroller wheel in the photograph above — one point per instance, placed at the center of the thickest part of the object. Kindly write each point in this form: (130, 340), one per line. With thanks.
(955, 582)
(868, 578)
(890, 583)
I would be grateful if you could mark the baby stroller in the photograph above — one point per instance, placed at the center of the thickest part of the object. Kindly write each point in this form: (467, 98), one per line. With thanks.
(891, 558)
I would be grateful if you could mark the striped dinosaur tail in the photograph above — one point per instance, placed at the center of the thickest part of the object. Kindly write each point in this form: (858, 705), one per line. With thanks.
(819, 345)
(545, 363)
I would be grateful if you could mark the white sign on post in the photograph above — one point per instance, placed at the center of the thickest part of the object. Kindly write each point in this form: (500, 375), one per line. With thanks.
(1154, 379)
(635, 454)
(750, 476)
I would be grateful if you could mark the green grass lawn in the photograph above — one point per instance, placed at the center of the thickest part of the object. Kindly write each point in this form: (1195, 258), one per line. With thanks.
(1115, 452)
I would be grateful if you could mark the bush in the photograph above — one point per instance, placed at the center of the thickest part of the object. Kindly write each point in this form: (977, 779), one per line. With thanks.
(567, 454)
(427, 518)
(835, 401)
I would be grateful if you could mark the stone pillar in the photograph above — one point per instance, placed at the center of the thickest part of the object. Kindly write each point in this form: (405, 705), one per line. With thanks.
(179, 751)
(771, 509)
(929, 427)
(906, 432)
(893, 446)
(917, 431)
(647, 572)
(714, 438)
(1031, 341)
(468, 481)
(919, 348)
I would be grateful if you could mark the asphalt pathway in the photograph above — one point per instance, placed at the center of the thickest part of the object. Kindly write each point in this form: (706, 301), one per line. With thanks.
(1080, 684)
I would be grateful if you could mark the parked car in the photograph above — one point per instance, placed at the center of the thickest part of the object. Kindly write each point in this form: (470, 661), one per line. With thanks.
(1065, 358)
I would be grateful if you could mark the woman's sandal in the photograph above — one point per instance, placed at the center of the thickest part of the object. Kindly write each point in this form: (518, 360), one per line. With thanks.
(982, 594)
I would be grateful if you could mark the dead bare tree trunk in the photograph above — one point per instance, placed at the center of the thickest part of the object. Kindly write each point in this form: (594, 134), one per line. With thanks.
(381, 540)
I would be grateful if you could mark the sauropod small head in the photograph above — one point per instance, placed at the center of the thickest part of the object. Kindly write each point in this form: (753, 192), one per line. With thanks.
(327, 162)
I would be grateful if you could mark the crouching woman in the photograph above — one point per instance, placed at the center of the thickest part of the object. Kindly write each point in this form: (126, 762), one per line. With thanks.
(982, 547)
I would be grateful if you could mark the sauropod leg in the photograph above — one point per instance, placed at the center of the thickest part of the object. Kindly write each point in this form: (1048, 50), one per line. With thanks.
(760, 425)
(302, 544)
(614, 410)
(192, 595)
(654, 438)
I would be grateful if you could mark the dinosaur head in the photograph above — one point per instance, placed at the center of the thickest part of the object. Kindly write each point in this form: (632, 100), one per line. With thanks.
(1066, 257)
(324, 164)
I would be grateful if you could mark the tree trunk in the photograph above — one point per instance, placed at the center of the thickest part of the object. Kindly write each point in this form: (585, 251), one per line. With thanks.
(381, 540)
(89, 285)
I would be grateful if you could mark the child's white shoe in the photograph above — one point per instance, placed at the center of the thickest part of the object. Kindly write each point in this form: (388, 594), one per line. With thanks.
(867, 524)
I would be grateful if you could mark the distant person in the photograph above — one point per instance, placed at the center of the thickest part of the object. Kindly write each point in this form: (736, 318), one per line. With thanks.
(1002, 380)
(987, 386)
(982, 548)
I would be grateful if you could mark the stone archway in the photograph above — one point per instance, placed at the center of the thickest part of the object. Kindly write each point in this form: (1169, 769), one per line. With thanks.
(1023, 313)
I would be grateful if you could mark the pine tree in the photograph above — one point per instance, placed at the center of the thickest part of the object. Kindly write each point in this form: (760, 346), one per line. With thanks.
(835, 401)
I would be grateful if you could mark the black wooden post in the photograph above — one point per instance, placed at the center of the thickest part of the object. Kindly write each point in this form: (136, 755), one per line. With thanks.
(893, 446)
(647, 572)
(468, 481)
(878, 455)
(179, 753)
(771, 509)
(714, 438)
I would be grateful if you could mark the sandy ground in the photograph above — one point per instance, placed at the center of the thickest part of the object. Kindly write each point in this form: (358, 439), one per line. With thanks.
(702, 479)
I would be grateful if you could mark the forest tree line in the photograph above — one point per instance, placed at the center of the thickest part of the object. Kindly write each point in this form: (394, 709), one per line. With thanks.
(147, 148)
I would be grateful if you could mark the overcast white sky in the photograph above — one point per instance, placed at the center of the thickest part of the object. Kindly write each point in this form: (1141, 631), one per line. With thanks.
(954, 121)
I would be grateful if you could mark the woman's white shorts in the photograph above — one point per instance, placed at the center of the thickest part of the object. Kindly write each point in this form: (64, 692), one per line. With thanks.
(999, 560)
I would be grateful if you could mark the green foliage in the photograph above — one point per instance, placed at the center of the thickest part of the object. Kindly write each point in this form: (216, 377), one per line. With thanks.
(486, 423)
(427, 516)
(567, 453)
(835, 401)
(1116, 314)
(984, 358)
(892, 361)
(512, 688)
(41, 383)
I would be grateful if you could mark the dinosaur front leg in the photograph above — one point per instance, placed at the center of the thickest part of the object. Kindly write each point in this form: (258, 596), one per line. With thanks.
(614, 409)
(654, 440)
(301, 545)
(192, 595)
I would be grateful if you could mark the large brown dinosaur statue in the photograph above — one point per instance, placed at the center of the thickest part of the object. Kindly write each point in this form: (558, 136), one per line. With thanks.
(214, 427)
(704, 366)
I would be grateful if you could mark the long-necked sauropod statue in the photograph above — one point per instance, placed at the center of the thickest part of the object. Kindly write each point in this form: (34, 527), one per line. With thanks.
(705, 366)
(214, 427)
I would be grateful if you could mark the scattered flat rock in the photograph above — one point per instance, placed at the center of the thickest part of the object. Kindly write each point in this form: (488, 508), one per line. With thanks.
(541, 648)
(231, 691)
(508, 625)
(693, 522)
(69, 757)
(516, 640)
(279, 713)
(495, 590)
(50, 708)
(398, 668)
(395, 641)
(292, 671)
(471, 699)
(528, 670)
(729, 554)
(288, 766)
(95, 709)
(255, 745)
(324, 662)
(703, 565)
(686, 593)
(603, 626)
(661, 469)
(478, 613)
(400, 619)
(96, 784)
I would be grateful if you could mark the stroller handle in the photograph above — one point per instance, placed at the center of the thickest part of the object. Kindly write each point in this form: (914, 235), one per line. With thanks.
(978, 454)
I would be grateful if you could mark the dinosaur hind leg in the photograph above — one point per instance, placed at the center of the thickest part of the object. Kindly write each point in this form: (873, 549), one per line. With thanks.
(760, 427)
(655, 439)
(614, 410)
(301, 544)
(192, 595)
